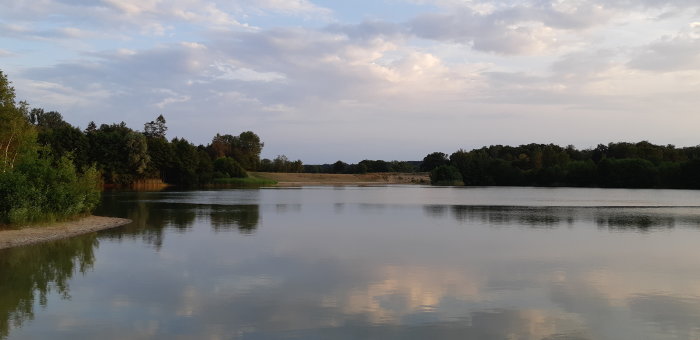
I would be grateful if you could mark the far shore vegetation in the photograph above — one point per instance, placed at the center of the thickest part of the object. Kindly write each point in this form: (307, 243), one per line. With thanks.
(51, 170)
(615, 165)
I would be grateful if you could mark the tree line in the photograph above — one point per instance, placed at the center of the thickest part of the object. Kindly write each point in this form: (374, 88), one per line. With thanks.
(615, 165)
(50, 169)
(364, 166)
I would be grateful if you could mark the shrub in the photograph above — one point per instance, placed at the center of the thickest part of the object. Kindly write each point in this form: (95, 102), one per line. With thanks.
(36, 191)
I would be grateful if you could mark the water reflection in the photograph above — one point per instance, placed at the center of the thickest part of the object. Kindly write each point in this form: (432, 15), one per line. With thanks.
(333, 263)
(33, 272)
(244, 218)
(675, 315)
(611, 218)
(153, 213)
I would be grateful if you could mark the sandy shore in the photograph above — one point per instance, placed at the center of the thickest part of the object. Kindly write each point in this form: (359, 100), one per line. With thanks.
(37, 234)
(301, 179)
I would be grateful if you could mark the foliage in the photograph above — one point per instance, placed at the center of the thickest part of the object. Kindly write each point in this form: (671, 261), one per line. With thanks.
(63, 139)
(37, 191)
(155, 129)
(446, 175)
(433, 160)
(37, 184)
(281, 164)
(228, 167)
(244, 148)
(362, 167)
(120, 153)
(618, 165)
(17, 136)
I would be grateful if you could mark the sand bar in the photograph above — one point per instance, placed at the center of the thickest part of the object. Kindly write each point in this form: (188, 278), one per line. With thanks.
(44, 233)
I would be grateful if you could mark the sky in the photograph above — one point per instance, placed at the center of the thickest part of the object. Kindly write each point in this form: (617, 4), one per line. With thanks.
(326, 80)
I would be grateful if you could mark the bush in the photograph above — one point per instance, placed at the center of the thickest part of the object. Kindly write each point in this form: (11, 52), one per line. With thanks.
(446, 175)
(229, 166)
(36, 191)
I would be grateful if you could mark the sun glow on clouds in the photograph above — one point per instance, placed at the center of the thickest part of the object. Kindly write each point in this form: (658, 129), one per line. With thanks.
(459, 63)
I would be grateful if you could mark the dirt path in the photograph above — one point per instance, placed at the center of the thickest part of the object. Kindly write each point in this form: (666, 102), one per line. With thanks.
(299, 179)
(37, 234)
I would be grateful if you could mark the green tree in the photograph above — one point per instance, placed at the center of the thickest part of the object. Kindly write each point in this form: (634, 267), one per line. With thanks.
(17, 136)
(434, 160)
(339, 167)
(247, 148)
(155, 129)
(120, 153)
(446, 175)
(229, 167)
(63, 139)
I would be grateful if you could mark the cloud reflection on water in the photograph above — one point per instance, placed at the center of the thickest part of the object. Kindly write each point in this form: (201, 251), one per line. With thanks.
(329, 269)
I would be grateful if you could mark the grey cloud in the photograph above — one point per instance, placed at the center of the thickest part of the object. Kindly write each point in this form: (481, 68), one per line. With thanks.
(483, 33)
(670, 54)
(506, 30)
(584, 65)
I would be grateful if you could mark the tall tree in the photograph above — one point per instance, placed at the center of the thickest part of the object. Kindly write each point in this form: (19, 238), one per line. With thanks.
(434, 160)
(17, 136)
(155, 129)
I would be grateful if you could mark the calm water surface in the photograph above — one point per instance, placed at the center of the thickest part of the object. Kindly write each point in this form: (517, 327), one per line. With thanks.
(399, 262)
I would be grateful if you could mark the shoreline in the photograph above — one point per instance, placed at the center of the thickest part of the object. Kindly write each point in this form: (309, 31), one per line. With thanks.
(285, 179)
(34, 234)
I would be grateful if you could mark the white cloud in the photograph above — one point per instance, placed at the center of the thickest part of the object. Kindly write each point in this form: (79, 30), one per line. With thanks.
(231, 72)
(172, 100)
(296, 7)
(527, 69)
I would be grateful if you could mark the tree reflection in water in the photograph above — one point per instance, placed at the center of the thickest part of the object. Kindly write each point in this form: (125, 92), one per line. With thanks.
(151, 217)
(638, 219)
(33, 272)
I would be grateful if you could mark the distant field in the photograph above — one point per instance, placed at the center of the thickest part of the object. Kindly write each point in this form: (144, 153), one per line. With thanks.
(293, 179)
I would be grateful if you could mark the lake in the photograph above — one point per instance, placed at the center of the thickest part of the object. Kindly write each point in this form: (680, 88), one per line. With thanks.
(386, 262)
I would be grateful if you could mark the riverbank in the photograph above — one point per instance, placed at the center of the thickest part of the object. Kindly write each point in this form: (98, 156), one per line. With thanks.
(43, 233)
(301, 179)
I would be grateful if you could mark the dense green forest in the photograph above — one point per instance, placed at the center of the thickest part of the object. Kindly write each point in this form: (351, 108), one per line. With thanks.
(616, 165)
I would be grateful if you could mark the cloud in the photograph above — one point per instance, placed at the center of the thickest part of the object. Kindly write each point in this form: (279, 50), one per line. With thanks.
(514, 30)
(127, 18)
(27, 32)
(455, 71)
(671, 53)
(293, 7)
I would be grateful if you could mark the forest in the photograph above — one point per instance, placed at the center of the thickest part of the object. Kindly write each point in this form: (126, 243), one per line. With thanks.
(615, 165)
(51, 170)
